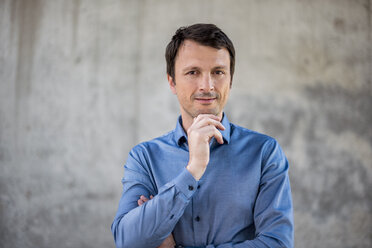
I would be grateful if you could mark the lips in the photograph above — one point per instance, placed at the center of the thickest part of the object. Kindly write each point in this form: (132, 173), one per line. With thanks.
(205, 100)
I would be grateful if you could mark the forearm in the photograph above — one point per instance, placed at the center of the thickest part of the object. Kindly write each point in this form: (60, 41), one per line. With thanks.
(148, 225)
(259, 242)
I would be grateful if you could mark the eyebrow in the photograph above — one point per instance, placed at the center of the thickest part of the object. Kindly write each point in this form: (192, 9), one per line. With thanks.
(220, 67)
(188, 68)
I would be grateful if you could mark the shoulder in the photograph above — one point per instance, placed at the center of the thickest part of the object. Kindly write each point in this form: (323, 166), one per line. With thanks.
(155, 144)
(266, 146)
(239, 132)
(141, 155)
(254, 140)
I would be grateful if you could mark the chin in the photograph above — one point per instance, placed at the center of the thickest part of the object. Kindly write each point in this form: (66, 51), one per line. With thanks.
(207, 111)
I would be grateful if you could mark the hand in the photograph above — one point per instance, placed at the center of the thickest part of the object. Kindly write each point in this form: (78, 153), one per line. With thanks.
(199, 134)
(169, 241)
(143, 199)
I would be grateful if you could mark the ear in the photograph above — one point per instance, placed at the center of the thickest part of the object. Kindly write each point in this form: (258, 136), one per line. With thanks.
(172, 84)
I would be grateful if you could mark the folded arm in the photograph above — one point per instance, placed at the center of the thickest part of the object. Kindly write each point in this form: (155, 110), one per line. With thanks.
(169, 241)
(149, 224)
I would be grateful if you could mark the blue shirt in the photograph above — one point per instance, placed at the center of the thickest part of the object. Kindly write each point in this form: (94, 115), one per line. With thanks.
(242, 200)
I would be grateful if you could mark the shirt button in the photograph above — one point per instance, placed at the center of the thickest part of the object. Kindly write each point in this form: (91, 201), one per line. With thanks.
(197, 218)
(191, 187)
(198, 186)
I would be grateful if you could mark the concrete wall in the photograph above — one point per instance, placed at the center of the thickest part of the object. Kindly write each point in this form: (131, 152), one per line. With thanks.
(81, 82)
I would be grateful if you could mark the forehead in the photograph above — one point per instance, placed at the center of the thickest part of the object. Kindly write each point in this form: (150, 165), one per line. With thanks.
(191, 53)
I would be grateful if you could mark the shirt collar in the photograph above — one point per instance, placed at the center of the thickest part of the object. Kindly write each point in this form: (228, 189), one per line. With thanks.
(181, 136)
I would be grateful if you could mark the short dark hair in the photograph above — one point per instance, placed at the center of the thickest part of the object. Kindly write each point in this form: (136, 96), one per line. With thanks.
(204, 34)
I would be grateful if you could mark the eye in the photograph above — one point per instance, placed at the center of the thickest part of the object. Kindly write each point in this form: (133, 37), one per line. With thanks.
(219, 72)
(191, 72)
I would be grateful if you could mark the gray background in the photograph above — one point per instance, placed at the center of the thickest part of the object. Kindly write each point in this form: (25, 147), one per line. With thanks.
(81, 82)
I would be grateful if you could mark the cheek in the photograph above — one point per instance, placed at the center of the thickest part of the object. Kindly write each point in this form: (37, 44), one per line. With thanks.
(183, 96)
(186, 92)
(225, 92)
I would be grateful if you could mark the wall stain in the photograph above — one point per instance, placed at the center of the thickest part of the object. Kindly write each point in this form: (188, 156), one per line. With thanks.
(369, 23)
(335, 110)
(339, 25)
(344, 110)
(75, 23)
(29, 14)
(26, 18)
(137, 71)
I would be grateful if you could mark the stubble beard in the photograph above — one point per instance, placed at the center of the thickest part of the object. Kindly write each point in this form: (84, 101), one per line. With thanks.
(195, 113)
(214, 110)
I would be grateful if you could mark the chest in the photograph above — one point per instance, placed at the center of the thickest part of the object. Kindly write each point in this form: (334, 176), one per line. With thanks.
(231, 180)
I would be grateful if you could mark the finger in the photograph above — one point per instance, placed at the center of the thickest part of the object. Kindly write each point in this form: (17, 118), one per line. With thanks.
(143, 198)
(140, 202)
(201, 116)
(211, 131)
(204, 116)
(218, 136)
(209, 121)
(214, 132)
(211, 116)
(151, 196)
(205, 122)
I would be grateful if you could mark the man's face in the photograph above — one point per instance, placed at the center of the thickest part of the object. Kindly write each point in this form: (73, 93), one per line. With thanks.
(202, 79)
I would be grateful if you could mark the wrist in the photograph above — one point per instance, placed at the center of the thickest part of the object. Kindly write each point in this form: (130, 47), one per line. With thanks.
(195, 171)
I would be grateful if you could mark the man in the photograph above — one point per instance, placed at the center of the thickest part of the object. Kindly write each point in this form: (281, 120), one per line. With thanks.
(207, 183)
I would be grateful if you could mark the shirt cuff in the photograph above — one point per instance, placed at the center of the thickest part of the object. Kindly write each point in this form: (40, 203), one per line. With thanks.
(186, 183)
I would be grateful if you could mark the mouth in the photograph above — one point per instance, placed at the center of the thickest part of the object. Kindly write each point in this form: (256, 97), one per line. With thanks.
(205, 100)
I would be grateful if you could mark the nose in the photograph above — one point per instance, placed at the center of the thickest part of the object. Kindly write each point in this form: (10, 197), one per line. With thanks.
(207, 83)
